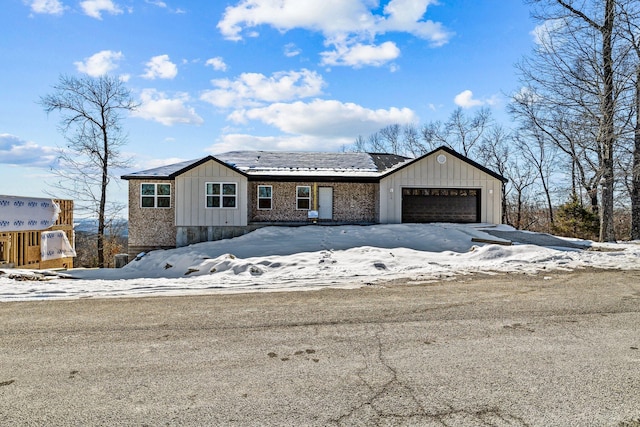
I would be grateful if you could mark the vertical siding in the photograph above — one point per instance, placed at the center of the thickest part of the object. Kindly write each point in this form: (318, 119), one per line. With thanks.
(191, 207)
(454, 173)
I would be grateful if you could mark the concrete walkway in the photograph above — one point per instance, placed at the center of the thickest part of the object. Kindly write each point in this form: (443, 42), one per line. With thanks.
(539, 239)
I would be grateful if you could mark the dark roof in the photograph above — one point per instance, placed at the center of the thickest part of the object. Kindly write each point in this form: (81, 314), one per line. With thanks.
(385, 161)
(173, 170)
(263, 161)
(280, 164)
(297, 165)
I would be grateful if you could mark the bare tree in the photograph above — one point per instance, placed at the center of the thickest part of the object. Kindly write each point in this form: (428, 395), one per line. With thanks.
(574, 71)
(391, 137)
(395, 139)
(494, 153)
(540, 155)
(411, 142)
(90, 110)
(434, 135)
(463, 132)
(521, 177)
(358, 146)
(567, 130)
(630, 18)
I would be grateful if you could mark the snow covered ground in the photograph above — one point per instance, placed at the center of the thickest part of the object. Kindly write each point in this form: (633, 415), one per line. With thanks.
(312, 257)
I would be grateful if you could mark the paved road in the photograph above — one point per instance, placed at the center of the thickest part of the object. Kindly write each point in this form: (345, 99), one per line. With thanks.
(508, 350)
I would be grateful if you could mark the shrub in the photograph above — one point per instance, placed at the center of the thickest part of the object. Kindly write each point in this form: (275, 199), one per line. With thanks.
(574, 220)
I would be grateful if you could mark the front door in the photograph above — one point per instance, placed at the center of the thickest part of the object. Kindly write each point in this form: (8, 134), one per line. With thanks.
(325, 203)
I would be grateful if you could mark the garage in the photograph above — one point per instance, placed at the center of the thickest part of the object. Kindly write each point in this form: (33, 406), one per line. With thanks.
(441, 186)
(420, 205)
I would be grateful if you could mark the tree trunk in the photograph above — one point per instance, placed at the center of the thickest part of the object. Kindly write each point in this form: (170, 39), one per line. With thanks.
(505, 215)
(547, 191)
(607, 131)
(519, 211)
(635, 177)
(593, 197)
(103, 198)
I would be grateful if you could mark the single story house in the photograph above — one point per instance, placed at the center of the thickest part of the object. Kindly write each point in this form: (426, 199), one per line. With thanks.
(230, 194)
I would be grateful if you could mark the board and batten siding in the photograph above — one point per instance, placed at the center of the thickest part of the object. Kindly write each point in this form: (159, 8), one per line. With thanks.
(191, 207)
(428, 173)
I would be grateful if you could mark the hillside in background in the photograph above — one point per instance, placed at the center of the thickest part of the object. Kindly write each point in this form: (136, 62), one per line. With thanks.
(90, 226)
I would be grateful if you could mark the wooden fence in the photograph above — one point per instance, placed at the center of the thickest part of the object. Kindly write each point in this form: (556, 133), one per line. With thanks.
(22, 249)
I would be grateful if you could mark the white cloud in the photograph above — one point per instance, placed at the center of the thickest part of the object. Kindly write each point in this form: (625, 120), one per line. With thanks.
(465, 100)
(217, 63)
(406, 16)
(51, 7)
(542, 34)
(348, 25)
(526, 95)
(158, 107)
(160, 4)
(240, 141)
(164, 5)
(253, 89)
(358, 55)
(291, 50)
(94, 8)
(16, 151)
(100, 63)
(156, 163)
(326, 118)
(160, 67)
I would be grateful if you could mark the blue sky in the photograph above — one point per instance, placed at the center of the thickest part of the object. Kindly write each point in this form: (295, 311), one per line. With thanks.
(216, 76)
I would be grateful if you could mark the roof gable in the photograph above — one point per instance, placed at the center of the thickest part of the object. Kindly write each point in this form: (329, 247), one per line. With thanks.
(176, 169)
(454, 154)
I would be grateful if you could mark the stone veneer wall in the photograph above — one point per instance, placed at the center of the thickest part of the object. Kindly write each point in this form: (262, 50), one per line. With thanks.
(150, 228)
(352, 202)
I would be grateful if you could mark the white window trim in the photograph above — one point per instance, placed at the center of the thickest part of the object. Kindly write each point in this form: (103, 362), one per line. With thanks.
(270, 198)
(303, 198)
(222, 184)
(155, 195)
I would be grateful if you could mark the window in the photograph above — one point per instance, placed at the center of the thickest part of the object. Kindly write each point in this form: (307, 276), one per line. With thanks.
(303, 197)
(264, 197)
(221, 194)
(155, 195)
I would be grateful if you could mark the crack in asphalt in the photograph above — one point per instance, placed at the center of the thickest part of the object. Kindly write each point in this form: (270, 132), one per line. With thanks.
(396, 389)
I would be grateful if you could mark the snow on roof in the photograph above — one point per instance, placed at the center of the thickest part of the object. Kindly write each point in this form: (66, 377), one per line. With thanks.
(257, 162)
(163, 171)
(275, 163)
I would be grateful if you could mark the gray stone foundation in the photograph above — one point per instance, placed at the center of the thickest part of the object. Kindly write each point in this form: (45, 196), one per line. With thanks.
(196, 234)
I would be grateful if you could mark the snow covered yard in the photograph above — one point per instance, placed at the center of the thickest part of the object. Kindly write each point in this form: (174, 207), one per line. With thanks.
(312, 257)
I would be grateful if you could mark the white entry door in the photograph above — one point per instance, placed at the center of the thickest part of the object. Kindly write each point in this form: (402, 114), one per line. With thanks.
(325, 203)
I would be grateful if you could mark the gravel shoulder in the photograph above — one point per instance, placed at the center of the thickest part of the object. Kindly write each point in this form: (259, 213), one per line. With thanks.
(561, 348)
